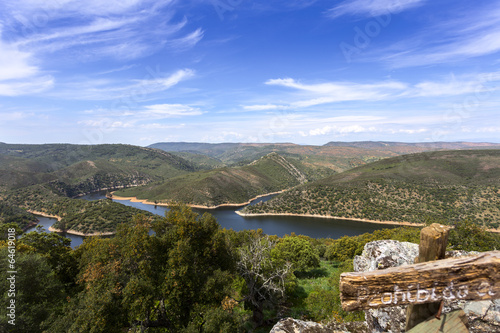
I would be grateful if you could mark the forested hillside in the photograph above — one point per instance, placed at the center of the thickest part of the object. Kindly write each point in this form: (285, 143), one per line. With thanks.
(45, 178)
(446, 186)
(228, 185)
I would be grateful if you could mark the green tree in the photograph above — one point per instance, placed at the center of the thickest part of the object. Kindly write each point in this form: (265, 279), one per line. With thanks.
(298, 251)
(58, 252)
(469, 236)
(35, 289)
(166, 281)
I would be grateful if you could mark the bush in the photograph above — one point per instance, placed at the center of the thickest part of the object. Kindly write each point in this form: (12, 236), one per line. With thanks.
(298, 251)
(468, 236)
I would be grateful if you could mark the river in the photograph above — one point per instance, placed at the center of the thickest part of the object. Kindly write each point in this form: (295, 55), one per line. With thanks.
(271, 225)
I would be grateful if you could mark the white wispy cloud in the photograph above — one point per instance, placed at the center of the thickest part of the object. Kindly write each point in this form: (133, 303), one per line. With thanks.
(15, 64)
(133, 90)
(336, 92)
(373, 7)
(449, 40)
(118, 29)
(170, 110)
(457, 85)
(18, 74)
(155, 126)
(24, 87)
(188, 41)
(148, 117)
(262, 107)
(331, 92)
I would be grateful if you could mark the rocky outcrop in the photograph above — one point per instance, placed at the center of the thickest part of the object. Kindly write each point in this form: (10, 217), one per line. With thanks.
(290, 325)
(380, 255)
(483, 316)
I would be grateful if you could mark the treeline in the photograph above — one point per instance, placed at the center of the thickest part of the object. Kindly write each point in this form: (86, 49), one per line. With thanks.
(78, 215)
(12, 214)
(189, 275)
(98, 182)
(386, 200)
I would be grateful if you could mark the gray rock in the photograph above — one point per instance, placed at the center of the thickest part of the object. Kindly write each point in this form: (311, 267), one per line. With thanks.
(479, 308)
(483, 316)
(290, 325)
(384, 254)
(379, 255)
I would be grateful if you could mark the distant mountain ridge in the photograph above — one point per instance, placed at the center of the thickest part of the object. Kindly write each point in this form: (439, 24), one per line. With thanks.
(429, 145)
(84, 167)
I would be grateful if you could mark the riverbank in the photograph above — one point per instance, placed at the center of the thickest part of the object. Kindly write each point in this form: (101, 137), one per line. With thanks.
(72, 232)
(78, 233)
(35, 212)
(166, 204)
(333, 218)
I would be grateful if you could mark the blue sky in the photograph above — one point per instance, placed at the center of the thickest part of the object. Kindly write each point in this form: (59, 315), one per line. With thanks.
(308, 72)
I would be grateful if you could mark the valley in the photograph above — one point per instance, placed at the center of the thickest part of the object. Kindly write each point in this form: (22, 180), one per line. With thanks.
(364, 181)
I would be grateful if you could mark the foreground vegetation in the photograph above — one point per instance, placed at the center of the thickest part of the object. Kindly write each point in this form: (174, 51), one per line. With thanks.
(188, 276)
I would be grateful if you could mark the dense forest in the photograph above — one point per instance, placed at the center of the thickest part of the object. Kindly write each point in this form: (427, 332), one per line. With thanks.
(47, 178)
(188, 276)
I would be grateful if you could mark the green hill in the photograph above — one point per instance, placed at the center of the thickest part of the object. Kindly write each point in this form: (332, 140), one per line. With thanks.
(78, 169)
(227, 185)
(44, 178)
(76, 215)
(444, 185)
(325, 158)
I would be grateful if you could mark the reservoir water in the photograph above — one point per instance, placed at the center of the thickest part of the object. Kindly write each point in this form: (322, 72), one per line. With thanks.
(271, 225)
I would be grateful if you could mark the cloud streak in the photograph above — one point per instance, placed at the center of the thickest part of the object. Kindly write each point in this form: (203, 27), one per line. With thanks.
(337, 92)
(460, 38)
(373, 8)
(103, 89)
(121, 30)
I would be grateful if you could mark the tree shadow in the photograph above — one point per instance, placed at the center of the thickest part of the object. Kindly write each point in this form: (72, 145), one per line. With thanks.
(312, 273)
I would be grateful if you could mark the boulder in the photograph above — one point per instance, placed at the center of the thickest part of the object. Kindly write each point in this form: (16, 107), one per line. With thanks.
(290, 325)
(379, 255)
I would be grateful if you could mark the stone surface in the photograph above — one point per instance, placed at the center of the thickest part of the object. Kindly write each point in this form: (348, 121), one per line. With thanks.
(477, 308)
(483, 316)
(290, 325)
(380, 255)
(384, 254)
